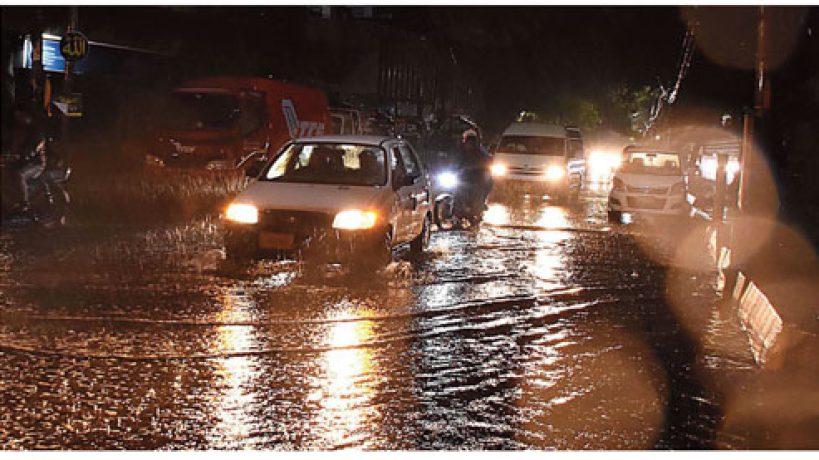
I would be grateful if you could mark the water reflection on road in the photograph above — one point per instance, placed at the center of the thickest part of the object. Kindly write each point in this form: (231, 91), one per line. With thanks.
(548, 328)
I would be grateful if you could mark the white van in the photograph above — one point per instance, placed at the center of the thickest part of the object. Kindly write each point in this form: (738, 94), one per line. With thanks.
(549, 157)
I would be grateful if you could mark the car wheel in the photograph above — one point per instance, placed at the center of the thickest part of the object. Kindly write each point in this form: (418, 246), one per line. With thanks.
(379, 255)
(421, 242)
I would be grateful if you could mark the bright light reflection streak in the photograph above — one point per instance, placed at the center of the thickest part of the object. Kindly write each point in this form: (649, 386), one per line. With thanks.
(238, 375)
(497, 214)
(343, 396)
(550, 260)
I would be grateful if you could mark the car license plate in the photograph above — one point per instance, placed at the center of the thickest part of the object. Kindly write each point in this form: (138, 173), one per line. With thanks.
(272, 240)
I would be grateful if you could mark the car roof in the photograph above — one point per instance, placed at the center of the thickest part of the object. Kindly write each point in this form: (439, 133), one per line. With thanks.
(639, 149)
(349, 139)
(535, 129)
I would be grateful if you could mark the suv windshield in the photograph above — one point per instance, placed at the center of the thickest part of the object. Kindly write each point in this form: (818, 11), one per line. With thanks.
(532, 145)
(661, 164)
(325, 163)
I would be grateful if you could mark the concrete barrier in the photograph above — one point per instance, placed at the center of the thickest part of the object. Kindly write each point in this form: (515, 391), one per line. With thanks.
(758, 318)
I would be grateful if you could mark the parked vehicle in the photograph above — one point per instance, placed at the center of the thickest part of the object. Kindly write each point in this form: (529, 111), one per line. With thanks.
(49, 202)
(648, 181)
(218, 122)
(334, 198)
(545, 157)
(345, 121)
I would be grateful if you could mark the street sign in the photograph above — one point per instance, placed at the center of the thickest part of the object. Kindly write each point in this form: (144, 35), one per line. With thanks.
(73, 46)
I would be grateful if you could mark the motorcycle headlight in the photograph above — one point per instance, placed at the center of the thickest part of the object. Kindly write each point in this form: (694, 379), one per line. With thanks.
(242, 213)
(555, 172)
(354, 219)
(498, 169)
(448, 180)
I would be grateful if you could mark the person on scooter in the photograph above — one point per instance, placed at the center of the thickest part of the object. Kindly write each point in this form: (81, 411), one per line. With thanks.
(31, 148)
(475, 162)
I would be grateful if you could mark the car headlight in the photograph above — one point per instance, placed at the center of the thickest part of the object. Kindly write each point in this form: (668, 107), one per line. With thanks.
(448, 180)
(354, 219)
(555, 172)
(242, 213)
(498, 169)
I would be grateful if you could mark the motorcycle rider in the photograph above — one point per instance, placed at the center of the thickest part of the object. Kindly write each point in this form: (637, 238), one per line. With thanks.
(475, 162)
(31, 147)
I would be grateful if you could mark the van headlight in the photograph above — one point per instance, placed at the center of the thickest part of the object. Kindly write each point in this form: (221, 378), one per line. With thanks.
(242, 213)
(354, 219)
(498, 169)
(555, 172)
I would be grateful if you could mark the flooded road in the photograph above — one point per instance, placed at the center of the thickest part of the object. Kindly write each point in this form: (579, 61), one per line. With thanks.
(548, 328)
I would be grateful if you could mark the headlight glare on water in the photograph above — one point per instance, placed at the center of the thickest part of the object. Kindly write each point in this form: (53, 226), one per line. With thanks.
(354, 219)
(242, 213)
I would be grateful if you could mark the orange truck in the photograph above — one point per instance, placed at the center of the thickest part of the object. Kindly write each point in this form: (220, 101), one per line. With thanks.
(220, 122)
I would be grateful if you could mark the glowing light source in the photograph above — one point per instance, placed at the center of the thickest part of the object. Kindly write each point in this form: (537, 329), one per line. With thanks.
(555, 172)
(242, 213)
(498, 169)
(448, 180)
(354, 219)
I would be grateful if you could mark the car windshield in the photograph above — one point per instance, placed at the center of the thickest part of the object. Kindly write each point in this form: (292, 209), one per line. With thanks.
(532, 145)
(329, 163)
(655, 163)
(189, 110)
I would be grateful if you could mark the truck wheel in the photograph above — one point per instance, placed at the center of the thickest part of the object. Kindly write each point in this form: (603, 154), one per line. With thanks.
(421, 242)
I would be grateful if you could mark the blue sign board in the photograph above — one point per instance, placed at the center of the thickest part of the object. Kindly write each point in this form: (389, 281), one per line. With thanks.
(53, 60)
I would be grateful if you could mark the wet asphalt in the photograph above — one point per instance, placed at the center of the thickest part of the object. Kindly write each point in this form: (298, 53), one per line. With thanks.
(547, 328)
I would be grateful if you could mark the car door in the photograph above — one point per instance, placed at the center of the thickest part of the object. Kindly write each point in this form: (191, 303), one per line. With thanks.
(404, 195)
(420, 188)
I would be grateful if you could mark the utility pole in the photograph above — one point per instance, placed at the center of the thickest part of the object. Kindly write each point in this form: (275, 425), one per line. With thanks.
(757, 190)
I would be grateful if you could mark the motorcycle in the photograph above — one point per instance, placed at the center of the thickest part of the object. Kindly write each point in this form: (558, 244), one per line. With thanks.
(49, 198)
(457, 205)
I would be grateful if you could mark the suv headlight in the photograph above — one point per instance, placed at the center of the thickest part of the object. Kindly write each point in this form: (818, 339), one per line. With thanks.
(354, 219)
(242, 213)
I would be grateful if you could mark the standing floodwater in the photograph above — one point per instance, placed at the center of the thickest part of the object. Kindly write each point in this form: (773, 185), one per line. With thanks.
(547, 328)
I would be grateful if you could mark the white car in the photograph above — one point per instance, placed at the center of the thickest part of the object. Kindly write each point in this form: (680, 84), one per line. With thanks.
(343, 197)
(648, 182)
